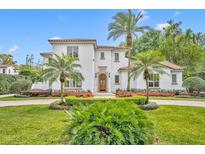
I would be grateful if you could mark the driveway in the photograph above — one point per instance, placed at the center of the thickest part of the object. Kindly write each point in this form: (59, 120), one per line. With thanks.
(26, 102)
(180, 102)
(48, 101)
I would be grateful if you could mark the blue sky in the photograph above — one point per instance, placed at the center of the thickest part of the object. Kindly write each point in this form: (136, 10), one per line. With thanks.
(25, 32)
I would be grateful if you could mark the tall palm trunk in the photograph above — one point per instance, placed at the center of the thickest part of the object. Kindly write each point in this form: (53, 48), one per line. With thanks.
(146, 77)
(62, 91)
(147, 91)
(62, 80)
(129, 45)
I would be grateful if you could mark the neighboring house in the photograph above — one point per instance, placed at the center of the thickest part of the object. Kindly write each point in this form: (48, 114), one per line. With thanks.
(8, 69)
(104, 68)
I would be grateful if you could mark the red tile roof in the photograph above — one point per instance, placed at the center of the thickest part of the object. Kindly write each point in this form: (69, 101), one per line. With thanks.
(170, 65)
(72, 40)
(164, 63)
(6, 65)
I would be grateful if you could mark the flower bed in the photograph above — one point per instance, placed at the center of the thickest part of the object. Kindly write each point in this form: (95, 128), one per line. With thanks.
(73, 93)
(36, 92)
(72, 100)
(155, 93)
(123, 93)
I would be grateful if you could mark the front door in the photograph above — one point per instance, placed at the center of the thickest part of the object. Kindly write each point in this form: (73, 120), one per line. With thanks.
(102, 82)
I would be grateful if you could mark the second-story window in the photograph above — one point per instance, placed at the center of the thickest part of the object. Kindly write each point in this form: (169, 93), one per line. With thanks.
(102, 55)
(116, 57)
(72, 51)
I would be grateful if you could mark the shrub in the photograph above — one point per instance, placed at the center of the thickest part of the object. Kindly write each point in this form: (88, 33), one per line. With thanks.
(36, 92)
(109, 123)
(57, 106)
(194, 84)
(72, 100)
(149, 106)
(20, 85)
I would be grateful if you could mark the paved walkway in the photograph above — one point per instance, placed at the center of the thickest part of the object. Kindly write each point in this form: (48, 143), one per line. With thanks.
(48, 101)
(180, 102)
(26, 102)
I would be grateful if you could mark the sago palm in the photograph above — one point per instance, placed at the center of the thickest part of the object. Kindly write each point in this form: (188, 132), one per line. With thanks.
(62, 68)
(146, 63)
(125, 24)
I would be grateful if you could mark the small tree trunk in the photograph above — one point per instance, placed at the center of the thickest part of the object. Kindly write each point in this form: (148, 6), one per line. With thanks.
(62, 92)
(147, 91)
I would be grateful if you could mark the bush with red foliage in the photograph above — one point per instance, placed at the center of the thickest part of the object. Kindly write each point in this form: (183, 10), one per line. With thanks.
(36, 92)
(156, 93)
(123, 93)
(73, 93)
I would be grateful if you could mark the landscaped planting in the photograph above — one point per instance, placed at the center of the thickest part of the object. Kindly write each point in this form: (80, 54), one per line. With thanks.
(109, 123)
(35, 124)
(86, 101)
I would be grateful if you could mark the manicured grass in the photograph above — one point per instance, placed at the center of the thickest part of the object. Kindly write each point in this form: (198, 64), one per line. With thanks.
(13, 98)
(179, 125)
(37, 125)
(31, 125)
(178, 98)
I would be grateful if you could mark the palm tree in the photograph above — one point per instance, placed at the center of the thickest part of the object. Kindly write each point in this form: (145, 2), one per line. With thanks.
(125, 24)
(62, 68)
(146, 63)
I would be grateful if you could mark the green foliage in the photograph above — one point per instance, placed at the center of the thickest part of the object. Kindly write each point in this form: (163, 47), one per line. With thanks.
(56, 106)
(31, 72)
(6, 59)
(111, 123)
(146, 63)
(183, 47)
(194, 84)
(62, 68)
(73, 101)
(148, 41)
(20, 85)
(13, 83)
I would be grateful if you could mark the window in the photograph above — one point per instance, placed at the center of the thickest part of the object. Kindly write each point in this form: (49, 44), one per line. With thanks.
(153, 80)
(117, 79)
(72, 51)
(116, 56)
(4, 70)
(174, 78)
(73, 84)
(102, 55)
(9, 71)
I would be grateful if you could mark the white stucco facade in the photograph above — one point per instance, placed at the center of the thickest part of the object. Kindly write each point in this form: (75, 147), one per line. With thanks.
(101, 67)
(8, 69)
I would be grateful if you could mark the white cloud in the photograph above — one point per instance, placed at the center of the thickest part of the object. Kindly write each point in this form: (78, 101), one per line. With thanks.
(55, 38)
(176, 13)
(161, 26)
(13, 48)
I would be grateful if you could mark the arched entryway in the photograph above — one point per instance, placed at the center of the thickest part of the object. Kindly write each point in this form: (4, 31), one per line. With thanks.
(102, 82)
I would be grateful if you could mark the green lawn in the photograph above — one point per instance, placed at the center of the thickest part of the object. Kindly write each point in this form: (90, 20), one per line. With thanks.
(37, 125)
(13, 98)
(179, 98)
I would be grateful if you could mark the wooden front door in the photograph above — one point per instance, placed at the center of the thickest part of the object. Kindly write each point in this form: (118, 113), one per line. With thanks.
(102, 82)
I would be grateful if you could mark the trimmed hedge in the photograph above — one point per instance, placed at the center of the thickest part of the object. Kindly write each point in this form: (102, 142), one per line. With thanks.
(72, 100)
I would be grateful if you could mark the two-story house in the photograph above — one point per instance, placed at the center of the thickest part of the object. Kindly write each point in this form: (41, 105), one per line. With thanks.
(105, 68)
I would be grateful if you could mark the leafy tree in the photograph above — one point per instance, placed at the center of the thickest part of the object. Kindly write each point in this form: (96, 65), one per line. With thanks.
(148, 41)
(182, 48)
(6, 59)
(31, 72)
(125, 24)
(62, 68)
(112, 123)
(194, 84)
(146, 63)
